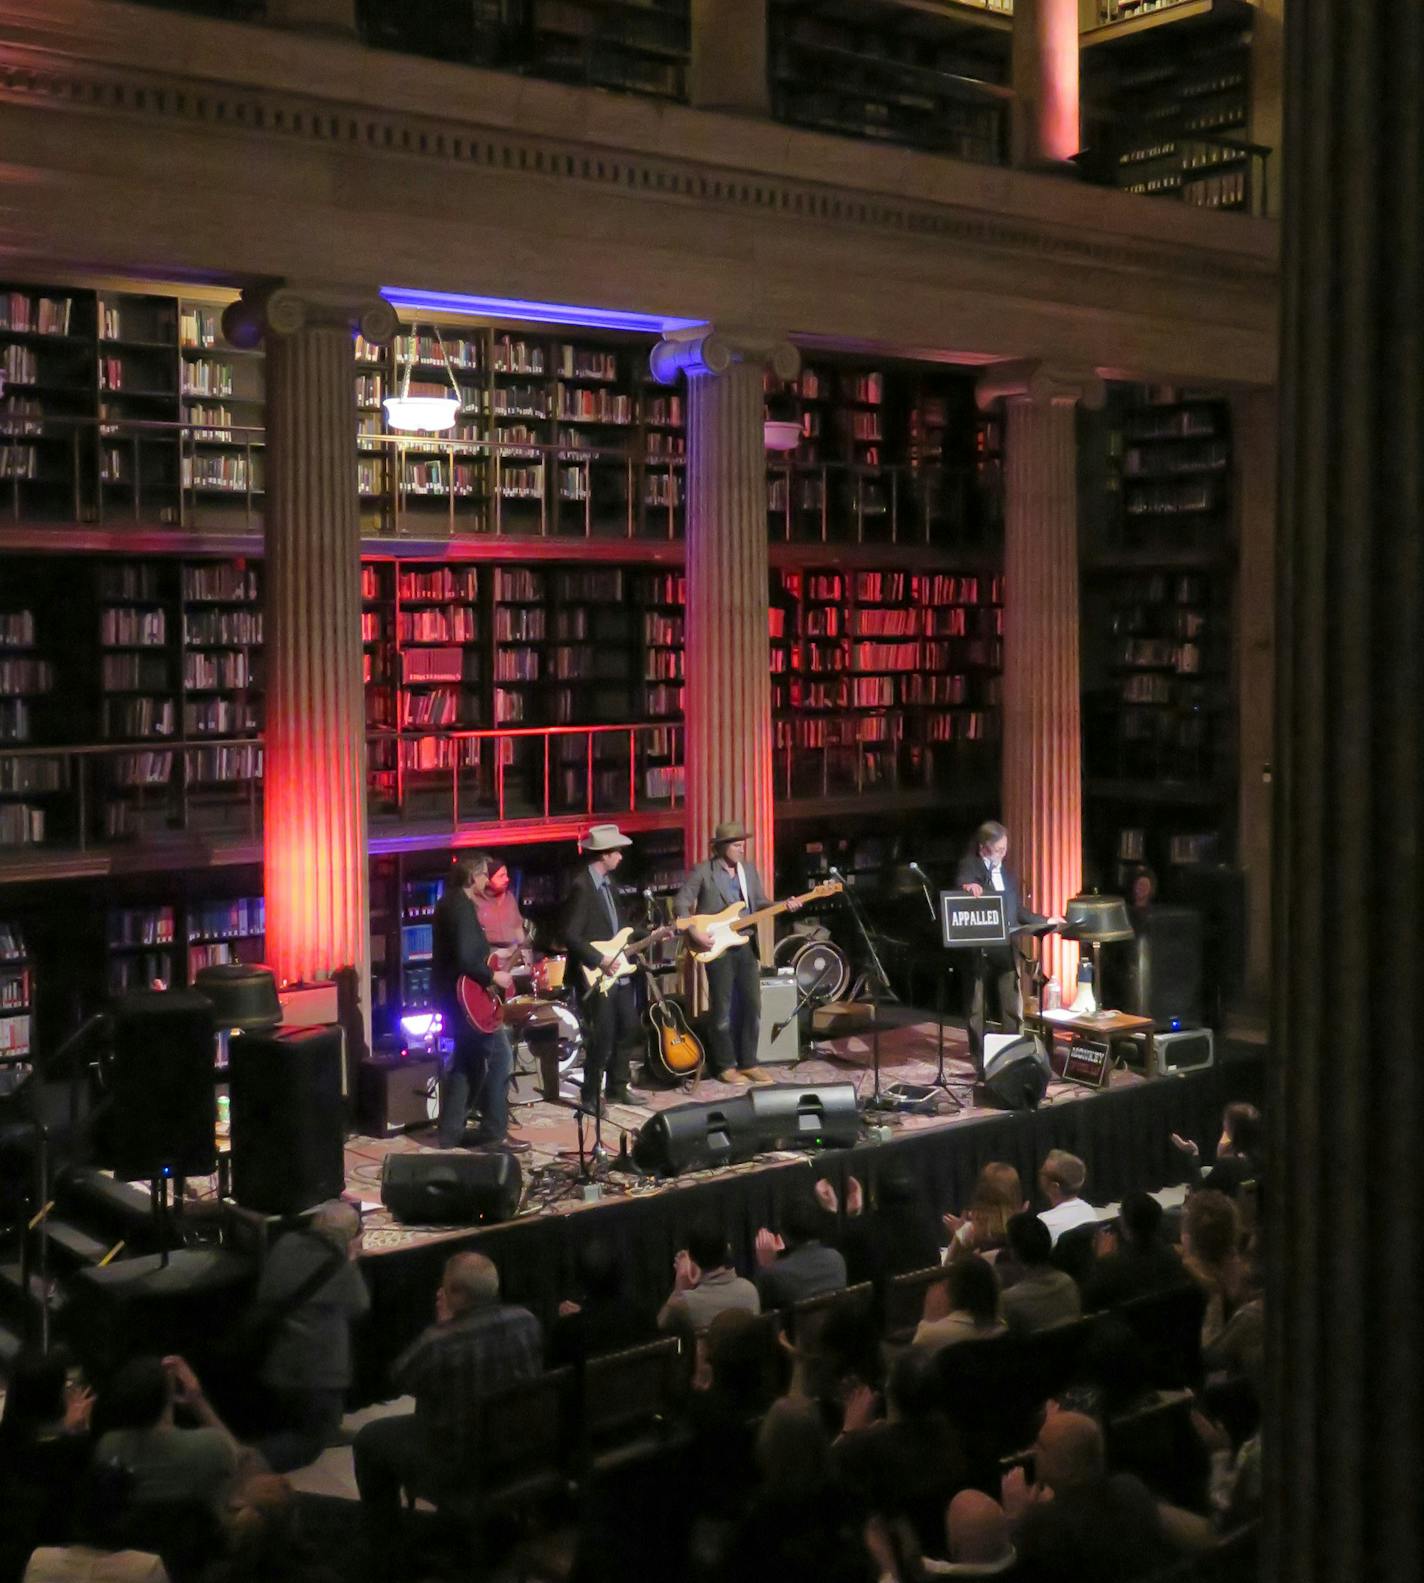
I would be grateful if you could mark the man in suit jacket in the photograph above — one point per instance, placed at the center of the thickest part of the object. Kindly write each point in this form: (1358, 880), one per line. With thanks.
(481, 1063)
(734, 979)
(981, 872)
(593, 911)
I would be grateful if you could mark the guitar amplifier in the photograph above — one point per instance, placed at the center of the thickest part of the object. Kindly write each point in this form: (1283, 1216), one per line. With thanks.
(778, 1006)
(394, 1094)
(1183, 1050)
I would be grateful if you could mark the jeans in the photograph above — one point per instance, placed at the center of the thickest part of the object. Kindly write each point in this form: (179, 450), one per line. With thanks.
(610, 1025)
(478, 1070)
(734, 1019)
(307, 1421)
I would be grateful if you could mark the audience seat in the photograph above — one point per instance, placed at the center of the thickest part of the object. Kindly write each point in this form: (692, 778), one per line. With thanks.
(630, 1401)
(905, 1301)
(990, 1397)
(1169, 1325)
(1075, 1251)
(804, 1321)
(1158, 1443)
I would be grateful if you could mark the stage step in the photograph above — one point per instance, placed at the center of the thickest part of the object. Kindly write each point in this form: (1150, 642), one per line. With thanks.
(74, 1245)
(10, 1343)
(108, 1208)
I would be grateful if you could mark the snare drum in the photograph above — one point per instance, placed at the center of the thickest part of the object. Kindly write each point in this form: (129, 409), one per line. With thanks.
(549, 975)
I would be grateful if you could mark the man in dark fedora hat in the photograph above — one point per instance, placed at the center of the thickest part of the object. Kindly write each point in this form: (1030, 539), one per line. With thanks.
(593, 910)
(734, 979)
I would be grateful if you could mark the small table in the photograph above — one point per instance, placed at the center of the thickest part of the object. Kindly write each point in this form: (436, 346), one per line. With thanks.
(1107, 1027)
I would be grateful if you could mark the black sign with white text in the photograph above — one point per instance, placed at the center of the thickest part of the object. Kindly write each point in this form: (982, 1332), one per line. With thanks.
(971, 920)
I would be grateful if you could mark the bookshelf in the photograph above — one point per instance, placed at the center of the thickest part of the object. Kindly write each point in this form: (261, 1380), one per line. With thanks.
(220, 656)
(221, 397)
(141, 944)
(928, 77)
(26, 679)
(16, 991)
(1158, 624)
(226, 930)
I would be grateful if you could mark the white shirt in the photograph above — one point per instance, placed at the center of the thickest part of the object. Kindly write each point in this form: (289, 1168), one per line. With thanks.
(1063, 1217)
(996, 877)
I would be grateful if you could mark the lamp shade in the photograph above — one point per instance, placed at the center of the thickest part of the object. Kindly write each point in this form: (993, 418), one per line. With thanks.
(1095, 920)
(781, 434)
(425, 414)
(243, 996)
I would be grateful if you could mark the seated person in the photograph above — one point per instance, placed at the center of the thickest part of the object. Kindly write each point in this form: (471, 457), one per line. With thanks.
(1042, 1295)
(797, 1265)
(1240, 1152)
(978, 1539)
(1134, 1259)
(705, 1284)
(895, 1235)
(1060, 1180)
(604, 1318)
(44, 1455)
(965, 1307)
(983, 1229)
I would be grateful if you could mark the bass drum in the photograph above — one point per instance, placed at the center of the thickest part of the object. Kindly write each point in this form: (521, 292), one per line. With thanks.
(822, 971)
(537, 1020)
(802, 935)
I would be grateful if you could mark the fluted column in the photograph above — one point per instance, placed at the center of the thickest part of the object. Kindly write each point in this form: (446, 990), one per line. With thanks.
(1042, 726)
(728, 66)
(727, 693)
(1046, 131)
(314, 846)
(1344, 1428)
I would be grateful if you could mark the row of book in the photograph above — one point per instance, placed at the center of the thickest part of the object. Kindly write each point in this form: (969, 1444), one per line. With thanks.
(216, 668)
(133, 672)
(14, 990)
(516, 665)
(24, 677)
(1161, 654)
(217, 920)
(138, 717)
(21, 824)
(130, 926)
(455, 624)
(218, 717)
(222, 628)
(433, 665)
(128, 626)
(31, 776)
(26, 315)
(234, 473)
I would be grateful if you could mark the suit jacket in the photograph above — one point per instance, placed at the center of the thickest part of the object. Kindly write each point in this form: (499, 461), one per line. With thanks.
(973, 870)
(585, 918)
(458, 947)
(710, 888)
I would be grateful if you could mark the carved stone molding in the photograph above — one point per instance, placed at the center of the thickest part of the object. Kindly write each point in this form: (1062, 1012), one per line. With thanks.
(705, 349)
(31, 76)
(284, 308)
(1042, 384)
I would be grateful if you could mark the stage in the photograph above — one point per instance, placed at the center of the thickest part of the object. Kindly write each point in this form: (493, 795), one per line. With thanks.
(1122, 1132)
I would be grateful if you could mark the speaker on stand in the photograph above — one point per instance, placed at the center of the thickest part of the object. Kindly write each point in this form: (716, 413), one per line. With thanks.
(287, 1127)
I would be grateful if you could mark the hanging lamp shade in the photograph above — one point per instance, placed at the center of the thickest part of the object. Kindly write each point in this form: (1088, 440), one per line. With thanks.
(244, 997)
(1096, 920)
(424, 412)
(780, 434)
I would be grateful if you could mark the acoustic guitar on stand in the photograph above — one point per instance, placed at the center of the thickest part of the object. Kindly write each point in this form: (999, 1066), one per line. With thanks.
(674, 1051)
(622, 948)
(730, 927)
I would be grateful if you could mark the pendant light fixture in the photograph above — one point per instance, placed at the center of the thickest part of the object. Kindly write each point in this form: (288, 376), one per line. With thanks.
(424, 413)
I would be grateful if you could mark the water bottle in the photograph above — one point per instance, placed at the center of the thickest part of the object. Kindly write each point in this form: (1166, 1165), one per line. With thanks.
(1053, 994)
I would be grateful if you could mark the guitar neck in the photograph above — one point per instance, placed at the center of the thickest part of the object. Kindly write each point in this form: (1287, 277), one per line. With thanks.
(752, 919)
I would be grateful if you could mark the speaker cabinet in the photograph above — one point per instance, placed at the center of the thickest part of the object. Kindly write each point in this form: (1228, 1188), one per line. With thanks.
(164, 1103)
(778, 1008)
(1016, 1071)
(396, 1094)
(790, 1116)
(694, 1136)
(1188, 1050)
(451, 1188)
(1159, 973)
(287, 1125)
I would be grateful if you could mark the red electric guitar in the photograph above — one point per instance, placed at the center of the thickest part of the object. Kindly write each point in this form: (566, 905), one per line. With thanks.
(483, 1008)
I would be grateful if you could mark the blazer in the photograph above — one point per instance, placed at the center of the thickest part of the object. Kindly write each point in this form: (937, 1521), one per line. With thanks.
(973, 870)
(585, 918)
(710, 888)
(458, 946)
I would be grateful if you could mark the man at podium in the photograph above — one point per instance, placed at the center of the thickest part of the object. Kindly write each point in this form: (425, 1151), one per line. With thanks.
(982, 871)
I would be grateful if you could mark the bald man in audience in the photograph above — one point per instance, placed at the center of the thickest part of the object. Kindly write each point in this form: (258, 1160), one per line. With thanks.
(978, 1539)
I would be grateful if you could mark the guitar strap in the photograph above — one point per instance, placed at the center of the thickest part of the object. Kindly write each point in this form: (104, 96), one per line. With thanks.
(742, 881)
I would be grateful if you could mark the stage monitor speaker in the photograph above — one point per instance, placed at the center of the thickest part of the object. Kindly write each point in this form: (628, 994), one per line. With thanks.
(694, 1136)
(164, 1117)
(451, 1188)
(793, 1116)
(1187, 1050)
(778, 1009)
(1016, 1071)
(1159, 973)
(287, 1127)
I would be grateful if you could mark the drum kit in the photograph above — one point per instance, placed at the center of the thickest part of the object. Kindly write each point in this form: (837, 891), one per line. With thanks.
(542, 1010)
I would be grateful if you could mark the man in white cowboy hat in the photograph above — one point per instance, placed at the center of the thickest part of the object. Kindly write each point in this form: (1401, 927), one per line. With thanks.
(593, 911)
(734, 979)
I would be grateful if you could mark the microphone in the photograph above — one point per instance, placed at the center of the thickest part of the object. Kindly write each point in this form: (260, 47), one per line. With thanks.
(924, 880)
(835, 873)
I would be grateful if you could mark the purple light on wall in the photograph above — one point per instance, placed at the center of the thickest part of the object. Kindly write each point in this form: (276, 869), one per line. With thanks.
(531, 312)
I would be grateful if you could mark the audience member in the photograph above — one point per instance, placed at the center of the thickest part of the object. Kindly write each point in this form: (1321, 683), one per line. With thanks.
(983, 1229)
(978, 1539)
(1211, 1243)
(308, 1369)
(971, 1294)
(1060, 1180)
(907, 1464)
(164, 1463)
(1042, 1295)
(894, 1236)
(798, 1265)
(604, 1318)
(84, 1564)
(1240, 1151)
(476, 1346)
(263, 1538)
(44, 1454)
(1134, 1260)
(705, 1284)
(1075, 1521)
(742, 1361)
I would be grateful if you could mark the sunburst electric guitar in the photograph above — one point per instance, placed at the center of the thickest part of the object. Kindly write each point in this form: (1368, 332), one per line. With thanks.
(622, 948)
(731, 926)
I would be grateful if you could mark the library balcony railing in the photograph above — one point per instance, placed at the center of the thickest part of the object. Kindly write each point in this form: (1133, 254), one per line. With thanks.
(431, 783)
(842, 502)
(890, 766)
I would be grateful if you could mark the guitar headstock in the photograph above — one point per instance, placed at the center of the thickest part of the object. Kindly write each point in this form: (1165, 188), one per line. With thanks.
(829, 887)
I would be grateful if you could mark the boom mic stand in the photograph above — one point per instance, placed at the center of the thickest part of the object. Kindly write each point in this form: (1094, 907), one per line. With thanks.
(876, 987)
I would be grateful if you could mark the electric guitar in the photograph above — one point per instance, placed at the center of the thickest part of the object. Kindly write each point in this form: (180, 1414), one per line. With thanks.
(622, 948)
(674, 1052)
(731, 926)
(483, 1007)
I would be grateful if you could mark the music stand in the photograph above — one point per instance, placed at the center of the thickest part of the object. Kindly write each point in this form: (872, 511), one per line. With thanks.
(875, 986)
(976, 923)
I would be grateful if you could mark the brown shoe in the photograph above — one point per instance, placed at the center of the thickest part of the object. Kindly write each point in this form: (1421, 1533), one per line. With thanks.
(757, 1074)
(732, 1076)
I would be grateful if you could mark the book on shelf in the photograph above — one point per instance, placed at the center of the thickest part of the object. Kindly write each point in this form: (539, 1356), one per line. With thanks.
(138, 926)
(220, 764)
(218, 920)
(437, 625)
(131, 626)
(23, 314)
(21, 825)
(222, 628)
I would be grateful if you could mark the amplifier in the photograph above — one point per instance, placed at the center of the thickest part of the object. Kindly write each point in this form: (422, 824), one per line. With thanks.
(1185, 1050)
(778, 1005)
(394, 1095)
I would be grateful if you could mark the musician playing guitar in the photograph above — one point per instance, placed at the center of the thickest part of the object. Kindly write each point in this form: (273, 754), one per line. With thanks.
(480, 1065)
(733, 979)
(593, 911)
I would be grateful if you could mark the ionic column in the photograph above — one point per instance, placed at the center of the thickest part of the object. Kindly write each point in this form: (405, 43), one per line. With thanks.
(1042, 734)
(727, 693)
(314, 803)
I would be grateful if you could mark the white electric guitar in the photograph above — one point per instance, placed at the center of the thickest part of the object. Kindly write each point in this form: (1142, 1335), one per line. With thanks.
(730, 927)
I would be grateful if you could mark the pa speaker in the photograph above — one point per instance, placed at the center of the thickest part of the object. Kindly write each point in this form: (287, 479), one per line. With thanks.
(787, 1116)
(778, 1011)
(287, 1126)
(1158, 974)
(451, 1188)
(1016, 1071)
(164, 1104)
(693, 1136)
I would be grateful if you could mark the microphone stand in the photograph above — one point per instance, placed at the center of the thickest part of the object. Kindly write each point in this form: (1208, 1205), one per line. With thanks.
(877, 985)
(804, 997)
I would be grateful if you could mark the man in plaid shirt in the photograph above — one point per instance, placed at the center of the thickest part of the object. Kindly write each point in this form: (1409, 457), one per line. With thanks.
(476, 1345)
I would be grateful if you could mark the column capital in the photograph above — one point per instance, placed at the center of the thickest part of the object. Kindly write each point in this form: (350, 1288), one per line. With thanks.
(284, 307)
(706, 349)
(1042, 384)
